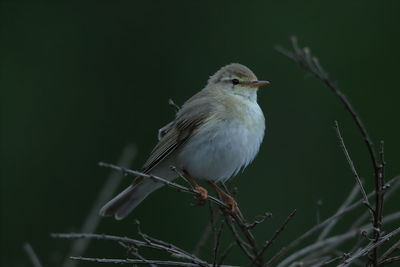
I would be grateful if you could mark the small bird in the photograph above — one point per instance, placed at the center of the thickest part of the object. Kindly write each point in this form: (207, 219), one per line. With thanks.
(215, 134)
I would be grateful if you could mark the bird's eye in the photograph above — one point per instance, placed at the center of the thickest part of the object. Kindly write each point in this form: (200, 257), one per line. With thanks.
(235, 81)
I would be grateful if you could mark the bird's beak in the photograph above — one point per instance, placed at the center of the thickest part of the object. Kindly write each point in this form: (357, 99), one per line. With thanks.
(258, 83)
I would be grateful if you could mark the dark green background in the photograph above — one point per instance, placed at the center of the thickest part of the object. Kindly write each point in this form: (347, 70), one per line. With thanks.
(80, 81)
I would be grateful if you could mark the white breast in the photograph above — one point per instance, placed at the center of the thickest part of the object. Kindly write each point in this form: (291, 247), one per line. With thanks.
(222, 147)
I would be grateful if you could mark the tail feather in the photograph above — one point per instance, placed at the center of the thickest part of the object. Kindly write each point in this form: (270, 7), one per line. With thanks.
(121, 205)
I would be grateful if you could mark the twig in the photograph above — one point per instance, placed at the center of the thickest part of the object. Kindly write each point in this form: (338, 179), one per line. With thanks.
(379, 200)
(92, 220)
(354, 171)
(350, 198)
(158, 244)
(320, 226)
(225, 254)
(135, 253)
(258, 220)
(205, 235)
(157, 179)
(32, 255)
(176, 250)
(217, 241)
(311, 64)
(268, 243)
(239, 241)
(370, 247)
(318, 245)
(337, 240)
(240, 221)
(389, 260)
(138, 261)
(390, 251)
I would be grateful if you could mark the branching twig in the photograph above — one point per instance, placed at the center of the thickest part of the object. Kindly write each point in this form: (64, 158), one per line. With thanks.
(138, 261)
(157, 179)
(369, 248)
(320, 226)
(337, 240)
(350, 198)
(305, 60)
(268, 243)
(92, 220)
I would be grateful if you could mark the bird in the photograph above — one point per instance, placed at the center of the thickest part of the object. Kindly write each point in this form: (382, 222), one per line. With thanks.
(215, 134)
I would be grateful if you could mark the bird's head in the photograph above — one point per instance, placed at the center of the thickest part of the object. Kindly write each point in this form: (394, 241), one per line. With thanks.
(238, 79)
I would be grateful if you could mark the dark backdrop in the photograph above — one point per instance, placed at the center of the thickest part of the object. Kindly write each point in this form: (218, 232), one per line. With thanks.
(80, 81)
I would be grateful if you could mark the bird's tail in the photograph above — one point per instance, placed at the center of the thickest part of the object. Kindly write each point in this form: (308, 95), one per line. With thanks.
(121, 205)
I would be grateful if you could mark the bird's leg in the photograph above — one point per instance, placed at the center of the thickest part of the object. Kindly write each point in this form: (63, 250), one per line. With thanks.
(228, 199)
(203, 192)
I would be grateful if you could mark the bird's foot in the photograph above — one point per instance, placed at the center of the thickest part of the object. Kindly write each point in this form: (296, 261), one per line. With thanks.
(203, 194)
(231, 202)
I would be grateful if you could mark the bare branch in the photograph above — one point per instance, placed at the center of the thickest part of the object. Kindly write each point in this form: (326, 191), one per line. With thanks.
(138, 261)
(311, 64)
(225, 254)
(32, 255)
(149, 243)
(354, 171)
(390, 251)
(350, 198)
(157, 179)
(217, 241)
(135, 253)
(92, 220)
(320, 226)
(369, 248)
(337, 240)
(268, 243)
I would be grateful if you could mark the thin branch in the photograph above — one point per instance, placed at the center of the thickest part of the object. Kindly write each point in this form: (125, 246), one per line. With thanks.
(204, 236)
(226, 253)
(157, 179)
(350, 198)
(135, 253)
(32, 255)
(240, 221)
(217, 241)
(337, 240)
(389, 260)
(354, 171)
(311, 64)
(93, 219)
(258, 220)
(149, 243)
(318, 245)
(314, 229)
(268, 243)
(138, 261)
(370, 247)
(390, 251)
(239, 241)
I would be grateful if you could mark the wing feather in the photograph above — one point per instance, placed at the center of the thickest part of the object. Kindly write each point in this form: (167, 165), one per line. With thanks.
(177, 132)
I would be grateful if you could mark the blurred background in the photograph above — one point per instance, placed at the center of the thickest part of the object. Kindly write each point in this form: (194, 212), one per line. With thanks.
(81, 81)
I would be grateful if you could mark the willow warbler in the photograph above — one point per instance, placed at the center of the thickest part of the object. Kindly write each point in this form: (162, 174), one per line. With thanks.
(216, 133)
